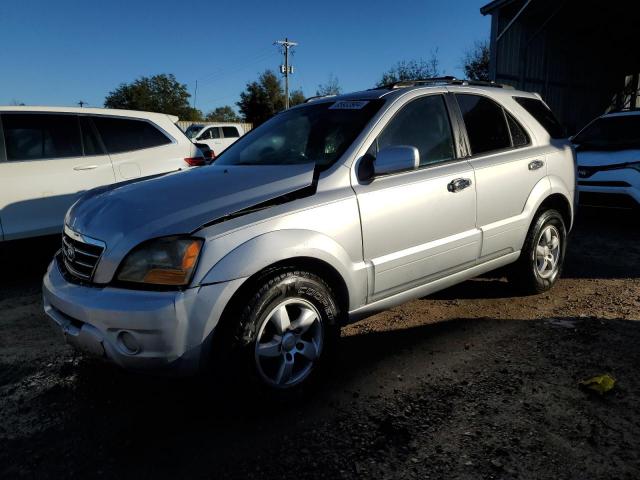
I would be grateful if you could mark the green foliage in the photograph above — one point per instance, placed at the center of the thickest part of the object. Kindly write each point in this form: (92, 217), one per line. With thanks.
(476, 62)
(159, 93)
(263, 98)
(296, 98)
(223, 114)
(331, 87)
(412, 70)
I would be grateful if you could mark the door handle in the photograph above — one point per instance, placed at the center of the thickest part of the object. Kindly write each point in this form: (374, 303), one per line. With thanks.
(458, 184)
(85, 167)
(536, 164)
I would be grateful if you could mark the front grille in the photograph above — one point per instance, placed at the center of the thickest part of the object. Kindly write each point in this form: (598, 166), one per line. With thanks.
(80, 257)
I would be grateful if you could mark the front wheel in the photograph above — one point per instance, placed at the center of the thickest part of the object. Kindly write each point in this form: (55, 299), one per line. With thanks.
(542, 258)
(286, 330)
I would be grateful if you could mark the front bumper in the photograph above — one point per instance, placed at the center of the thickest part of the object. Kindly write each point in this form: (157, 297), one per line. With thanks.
(612, 188)
(137, 330)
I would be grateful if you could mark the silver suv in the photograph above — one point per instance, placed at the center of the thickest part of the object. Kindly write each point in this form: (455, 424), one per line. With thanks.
(327, 213)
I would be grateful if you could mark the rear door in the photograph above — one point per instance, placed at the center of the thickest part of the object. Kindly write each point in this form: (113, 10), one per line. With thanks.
(137, 147)
(507, 167)
(50, 160)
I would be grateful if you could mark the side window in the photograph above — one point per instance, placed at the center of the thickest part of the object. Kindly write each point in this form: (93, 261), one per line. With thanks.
(90, 141)
(214, 132)
(34, 136)
(543, 115)
(519, 137)
(125, 135)
(424, 124)
(230, 132)
(485, 122)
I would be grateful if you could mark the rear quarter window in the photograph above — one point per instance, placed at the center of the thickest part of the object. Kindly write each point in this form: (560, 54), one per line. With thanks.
(230, 132)
(125, 135)
(545, 117)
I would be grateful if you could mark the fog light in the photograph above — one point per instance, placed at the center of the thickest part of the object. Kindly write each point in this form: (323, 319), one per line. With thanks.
(128, 343)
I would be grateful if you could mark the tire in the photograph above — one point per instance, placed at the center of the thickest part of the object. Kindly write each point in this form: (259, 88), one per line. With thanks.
(537, 271)
(285, 333)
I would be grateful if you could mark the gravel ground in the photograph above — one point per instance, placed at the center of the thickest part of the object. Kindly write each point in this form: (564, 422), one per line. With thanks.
(472, 382)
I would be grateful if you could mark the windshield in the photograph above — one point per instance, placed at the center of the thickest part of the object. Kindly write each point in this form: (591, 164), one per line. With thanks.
(192, 131)
(318, 133)
(621, 131)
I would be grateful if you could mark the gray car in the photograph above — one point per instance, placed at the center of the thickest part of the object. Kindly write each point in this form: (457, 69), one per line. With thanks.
(329, 212)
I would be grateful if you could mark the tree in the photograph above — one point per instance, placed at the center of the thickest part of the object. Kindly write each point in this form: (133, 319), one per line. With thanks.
(296, 98)
(331, 87)
(476, 62)
(223, 114)
(262, 99)
(412, 70)
(159, 93)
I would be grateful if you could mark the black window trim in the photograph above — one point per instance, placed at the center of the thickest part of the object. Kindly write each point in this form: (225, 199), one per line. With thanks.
(96, 133)
(31, 112)
(463, 128)
(3, 148)
(455, 135)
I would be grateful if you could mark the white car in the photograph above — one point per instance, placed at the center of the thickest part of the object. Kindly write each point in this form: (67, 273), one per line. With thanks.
(49, 156)
(216, 136)
(608, 151)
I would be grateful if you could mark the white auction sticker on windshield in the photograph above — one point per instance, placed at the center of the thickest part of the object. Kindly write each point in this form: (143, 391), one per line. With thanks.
(349, 105)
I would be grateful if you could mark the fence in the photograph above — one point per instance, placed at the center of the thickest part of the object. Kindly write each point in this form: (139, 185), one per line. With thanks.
(184, 124)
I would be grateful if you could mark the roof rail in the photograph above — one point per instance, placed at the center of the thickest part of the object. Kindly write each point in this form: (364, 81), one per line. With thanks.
(435, 81)
(318, 97)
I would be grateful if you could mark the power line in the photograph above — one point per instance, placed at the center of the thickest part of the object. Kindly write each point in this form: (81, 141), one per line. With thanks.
(286, 69)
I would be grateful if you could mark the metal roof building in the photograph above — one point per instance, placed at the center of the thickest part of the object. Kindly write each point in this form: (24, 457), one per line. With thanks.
(580, 55)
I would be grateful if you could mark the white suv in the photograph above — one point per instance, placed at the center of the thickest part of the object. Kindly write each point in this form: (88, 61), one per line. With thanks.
(217, 136)
(50, 155)
(609, 161)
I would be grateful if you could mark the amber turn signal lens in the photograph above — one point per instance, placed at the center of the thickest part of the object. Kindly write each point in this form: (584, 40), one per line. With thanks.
(170, 276)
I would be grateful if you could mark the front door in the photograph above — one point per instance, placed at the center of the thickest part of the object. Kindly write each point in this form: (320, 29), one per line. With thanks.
(50, 163)
(415, 226)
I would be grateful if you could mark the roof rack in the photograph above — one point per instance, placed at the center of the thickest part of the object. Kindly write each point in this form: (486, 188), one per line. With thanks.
(318, 97)
(435, 81)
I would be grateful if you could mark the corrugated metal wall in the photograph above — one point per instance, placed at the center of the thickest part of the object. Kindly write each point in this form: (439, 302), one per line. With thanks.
(570, 52)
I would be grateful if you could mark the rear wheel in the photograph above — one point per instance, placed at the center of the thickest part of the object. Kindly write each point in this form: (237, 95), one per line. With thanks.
(286, 330)
(542, 258)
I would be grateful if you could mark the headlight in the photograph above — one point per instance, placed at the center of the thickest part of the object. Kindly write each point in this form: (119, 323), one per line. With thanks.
(164, 261)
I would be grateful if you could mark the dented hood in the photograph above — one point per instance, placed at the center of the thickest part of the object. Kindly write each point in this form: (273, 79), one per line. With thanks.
(124, 215)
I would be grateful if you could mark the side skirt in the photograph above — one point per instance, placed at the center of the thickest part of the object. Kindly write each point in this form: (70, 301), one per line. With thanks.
(429, 288)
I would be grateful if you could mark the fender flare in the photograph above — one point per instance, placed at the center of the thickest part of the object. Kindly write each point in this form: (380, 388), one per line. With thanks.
(270, 248)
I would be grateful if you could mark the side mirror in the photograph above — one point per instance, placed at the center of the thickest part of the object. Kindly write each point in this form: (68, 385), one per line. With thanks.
(396, 159)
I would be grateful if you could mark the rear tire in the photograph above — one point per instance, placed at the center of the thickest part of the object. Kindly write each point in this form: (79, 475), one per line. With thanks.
(542, 257)
(285, 332)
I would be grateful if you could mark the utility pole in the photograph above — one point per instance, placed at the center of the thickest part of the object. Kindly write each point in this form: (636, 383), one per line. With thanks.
(195, 95)
(286, 69)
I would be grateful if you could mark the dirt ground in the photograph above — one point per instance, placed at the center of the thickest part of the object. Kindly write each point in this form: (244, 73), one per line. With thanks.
(472, 382)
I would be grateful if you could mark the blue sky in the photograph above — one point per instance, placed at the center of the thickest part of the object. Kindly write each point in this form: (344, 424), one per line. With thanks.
(80, 50)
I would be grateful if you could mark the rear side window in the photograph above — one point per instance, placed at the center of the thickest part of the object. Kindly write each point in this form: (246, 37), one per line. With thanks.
(230, 132)
(124, 135)
(519, 137)
(424, 124)
(485, 122)
(36, 136)
(545, 117)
